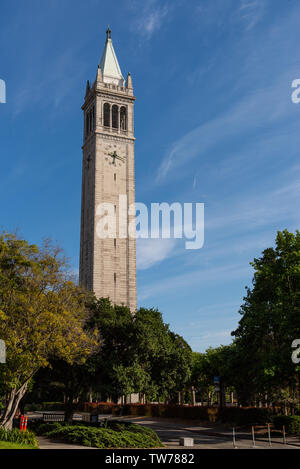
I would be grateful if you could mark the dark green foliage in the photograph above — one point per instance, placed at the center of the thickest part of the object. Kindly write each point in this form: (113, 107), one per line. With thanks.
(115, 435)
(46, 406)
(236, 415)
(133, 428)
(138, 353)
(16, 436)
(247, 416)
(41, 428)
(269, 324)
(291, 423)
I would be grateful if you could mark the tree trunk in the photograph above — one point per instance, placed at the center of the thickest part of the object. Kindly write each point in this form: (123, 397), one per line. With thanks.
(69, 408)
(12, 406)
(193, 396)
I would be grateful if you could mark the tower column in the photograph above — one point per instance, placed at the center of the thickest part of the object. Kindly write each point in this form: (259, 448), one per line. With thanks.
(108, 264)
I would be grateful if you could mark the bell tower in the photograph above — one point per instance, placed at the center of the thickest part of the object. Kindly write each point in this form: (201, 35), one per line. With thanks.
(108, 265)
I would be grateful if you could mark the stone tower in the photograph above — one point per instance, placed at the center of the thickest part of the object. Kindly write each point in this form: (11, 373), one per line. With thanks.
(108, 265)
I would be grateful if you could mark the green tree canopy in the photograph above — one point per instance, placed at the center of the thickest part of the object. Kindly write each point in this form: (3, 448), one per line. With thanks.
(42, 315)
(270, 322)
(138, 352)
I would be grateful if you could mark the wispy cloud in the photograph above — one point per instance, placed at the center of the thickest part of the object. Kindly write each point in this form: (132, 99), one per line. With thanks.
(153, 251)
(241, 119)
(202, 277)
(234, 12)
(49, 85)
(278, 206)
(202, 341)
(149, 17)
(251, 12)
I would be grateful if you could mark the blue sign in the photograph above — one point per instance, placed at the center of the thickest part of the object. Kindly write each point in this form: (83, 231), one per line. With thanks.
(216, 379)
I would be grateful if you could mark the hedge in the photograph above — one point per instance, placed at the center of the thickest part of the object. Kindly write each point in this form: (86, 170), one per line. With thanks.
(16, 436)
(236, 415)
(115, 435)
(100, 407)
(246, 415)
(46, 406)
(291, 423)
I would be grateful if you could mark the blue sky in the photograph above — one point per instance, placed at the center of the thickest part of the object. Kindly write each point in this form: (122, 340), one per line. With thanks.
(214, 123)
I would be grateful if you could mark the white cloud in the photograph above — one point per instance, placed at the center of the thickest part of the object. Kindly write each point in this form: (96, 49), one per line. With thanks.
(200, 278)
(251, 12)
(149, 17)
(264, 107)
(202, 342)
(153, 251)
(276, 206)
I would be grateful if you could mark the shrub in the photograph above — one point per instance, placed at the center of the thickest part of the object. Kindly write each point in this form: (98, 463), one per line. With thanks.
(133, 428)
(246, 416)
(53, 406)
(16, 436)
(43, 428)
(291, 423)
(122, 436)
(32, 407)
(101, 407)
(236, 415)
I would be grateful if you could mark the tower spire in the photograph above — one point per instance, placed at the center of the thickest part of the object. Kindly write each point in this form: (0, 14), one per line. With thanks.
(109, 64)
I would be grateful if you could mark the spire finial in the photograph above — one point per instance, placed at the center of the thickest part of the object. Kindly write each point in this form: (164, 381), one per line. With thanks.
(108, 33)
(88, 88)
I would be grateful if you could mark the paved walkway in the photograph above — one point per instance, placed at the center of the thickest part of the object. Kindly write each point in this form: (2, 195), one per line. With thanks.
(45, 443)
(205, 436)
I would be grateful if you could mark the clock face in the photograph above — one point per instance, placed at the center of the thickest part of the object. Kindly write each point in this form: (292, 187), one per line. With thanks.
(114, 155)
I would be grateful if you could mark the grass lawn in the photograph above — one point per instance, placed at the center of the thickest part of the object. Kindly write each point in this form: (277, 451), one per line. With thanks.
(9, 445)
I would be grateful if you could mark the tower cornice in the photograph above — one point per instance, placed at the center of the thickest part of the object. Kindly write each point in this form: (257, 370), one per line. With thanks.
(108, 136)
(119, 95)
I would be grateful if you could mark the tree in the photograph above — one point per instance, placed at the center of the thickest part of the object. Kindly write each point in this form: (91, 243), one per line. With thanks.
(270, 322)
(42, 315)
(138, 353)
(217, 361)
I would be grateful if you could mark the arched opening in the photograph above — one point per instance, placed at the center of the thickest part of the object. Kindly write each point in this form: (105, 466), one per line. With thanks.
(123, 118)
(115, 114)
(106, 115)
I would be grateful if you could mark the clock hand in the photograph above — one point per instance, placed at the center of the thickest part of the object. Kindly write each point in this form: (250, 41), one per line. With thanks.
(114, 155)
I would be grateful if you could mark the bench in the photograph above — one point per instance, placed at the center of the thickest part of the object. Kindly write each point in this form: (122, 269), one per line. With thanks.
(52, 417)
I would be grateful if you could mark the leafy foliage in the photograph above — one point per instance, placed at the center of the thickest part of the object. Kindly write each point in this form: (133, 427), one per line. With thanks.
(270, 322)
(16, 436)
(42, 315)
(291, 423)
(138, 353)
(117, 435)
